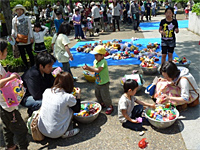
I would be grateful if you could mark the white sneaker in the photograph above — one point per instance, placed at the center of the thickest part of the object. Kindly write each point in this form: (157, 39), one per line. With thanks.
(71, 133)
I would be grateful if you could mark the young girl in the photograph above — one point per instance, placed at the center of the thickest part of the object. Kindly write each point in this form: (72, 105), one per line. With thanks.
(175, 10)
(39, 37)
(77, 25)
(168, 40)
(59, 100)
(83, 22)
(61, 50)
(187, 8)
(127, 111)
(90, 27)
(58, 20)
(12, 121)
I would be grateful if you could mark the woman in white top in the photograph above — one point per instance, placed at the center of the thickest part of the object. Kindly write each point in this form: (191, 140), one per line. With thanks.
(57, 108)
(39, 37)
(61, 49)
(21, 25)
(115, 6)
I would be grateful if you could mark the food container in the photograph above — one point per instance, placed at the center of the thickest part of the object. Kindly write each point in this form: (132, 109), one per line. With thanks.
(161, 124)
(91, 118)
(89, 76)
(148, 70)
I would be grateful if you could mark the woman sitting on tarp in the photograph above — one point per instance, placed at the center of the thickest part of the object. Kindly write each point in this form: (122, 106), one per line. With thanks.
(187, 86)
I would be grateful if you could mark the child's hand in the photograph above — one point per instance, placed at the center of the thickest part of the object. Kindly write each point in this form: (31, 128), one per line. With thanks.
(71, 57)
(85, 67)
(176, 30)
(134, 121)
(163, 33)
(14, 76)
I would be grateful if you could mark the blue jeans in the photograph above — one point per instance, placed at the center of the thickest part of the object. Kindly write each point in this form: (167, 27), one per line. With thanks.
(136, 112)
(66, 68)
(78, 31)
(32, 104)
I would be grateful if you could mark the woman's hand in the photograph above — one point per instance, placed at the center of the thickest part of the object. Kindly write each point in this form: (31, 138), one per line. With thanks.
(153, 106)
(31, 40)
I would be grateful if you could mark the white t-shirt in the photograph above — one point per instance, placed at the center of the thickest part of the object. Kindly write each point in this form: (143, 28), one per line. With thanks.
(153, 5)
(126, 104)
(109, 13)
(95, 12)
(39, 36)
(55, 114)
(116, 9)
(2, 101)
(59, 48)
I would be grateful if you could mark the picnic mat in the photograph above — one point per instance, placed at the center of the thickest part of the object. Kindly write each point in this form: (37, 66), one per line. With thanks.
(155, 25)
(81, 58)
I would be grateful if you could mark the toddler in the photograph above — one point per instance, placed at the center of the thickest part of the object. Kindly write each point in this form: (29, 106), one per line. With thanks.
(39, 38)
(12, 121)
(77, 25)
(102, 78)
(187, 8)
(90, 27)
(127, 111)
(168, 40)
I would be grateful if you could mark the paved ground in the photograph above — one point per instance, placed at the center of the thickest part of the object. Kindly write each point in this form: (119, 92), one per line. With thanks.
(106, 132)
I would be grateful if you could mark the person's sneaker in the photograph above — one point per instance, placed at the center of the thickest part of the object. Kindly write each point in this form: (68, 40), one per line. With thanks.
(75, 78)
(109, 110)
(71, 133)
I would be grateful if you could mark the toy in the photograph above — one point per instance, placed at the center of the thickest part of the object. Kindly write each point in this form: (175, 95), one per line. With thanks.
(142, 143)
(56, 71)
(139, 119)
(87, 109)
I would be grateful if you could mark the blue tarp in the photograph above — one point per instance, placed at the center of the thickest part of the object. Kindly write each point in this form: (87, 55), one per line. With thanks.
(155, 25)
(81, 58)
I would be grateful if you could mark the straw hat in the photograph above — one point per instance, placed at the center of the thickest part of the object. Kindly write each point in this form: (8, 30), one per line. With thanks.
(19, 6)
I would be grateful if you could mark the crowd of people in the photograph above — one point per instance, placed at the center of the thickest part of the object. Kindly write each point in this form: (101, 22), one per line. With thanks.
(53, 95)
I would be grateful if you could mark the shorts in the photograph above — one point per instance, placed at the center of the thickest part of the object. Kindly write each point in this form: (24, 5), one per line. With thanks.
(109, 20)
(83, 25)
(169, 43)
(167, 49)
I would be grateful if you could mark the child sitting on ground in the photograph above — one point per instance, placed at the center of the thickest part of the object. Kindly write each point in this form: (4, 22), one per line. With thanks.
(127, 111)
(12, 121)
(102, 78)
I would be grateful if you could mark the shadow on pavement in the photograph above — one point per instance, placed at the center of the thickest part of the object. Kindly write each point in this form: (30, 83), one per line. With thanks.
(87, 131)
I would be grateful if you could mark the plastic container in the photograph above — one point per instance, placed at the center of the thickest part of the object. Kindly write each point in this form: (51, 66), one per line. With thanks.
(147, 70)
(161, 124)
(184, 65)
(89, 76)
(88, 119)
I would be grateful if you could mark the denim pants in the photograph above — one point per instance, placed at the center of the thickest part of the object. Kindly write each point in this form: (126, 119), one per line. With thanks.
(136, 112)
(31, 104)
(13, 125)
(136, 21)
(66, 68)
(78, 31)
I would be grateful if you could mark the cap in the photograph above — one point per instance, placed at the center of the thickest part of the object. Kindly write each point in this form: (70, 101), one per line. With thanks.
(98, 50)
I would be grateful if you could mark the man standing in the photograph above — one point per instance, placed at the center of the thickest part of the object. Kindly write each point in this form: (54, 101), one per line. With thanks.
(95, 17)
(36, 12)
(134, 11)
(127, 6)
(60, 7)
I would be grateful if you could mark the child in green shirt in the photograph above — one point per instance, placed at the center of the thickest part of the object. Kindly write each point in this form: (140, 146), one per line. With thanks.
(102, 78)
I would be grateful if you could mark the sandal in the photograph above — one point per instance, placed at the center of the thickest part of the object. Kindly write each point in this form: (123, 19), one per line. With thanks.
(109, 110)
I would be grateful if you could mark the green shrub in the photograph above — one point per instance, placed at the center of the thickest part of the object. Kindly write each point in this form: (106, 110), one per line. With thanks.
(47, 41)
(196, 8)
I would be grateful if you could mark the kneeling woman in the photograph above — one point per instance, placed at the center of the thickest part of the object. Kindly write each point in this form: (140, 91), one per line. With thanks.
(182, 78)
(55, 118)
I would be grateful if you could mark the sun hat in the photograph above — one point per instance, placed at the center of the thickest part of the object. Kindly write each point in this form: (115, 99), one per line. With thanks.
(92, 3)
(98, 50)
(19, 6)
(79, 5)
